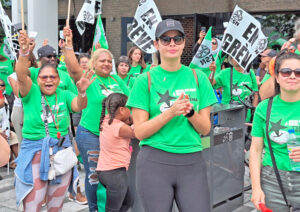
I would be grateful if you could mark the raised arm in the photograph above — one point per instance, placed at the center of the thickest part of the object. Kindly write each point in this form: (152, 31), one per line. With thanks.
(80, 101)
(72, 64)
(14, 85)
(23, 65)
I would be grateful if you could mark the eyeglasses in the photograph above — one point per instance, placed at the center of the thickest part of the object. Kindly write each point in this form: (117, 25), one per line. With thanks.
(2, 85)
(50, 56)
(51, 77)
(286, 72)
(214, 43)
(166, 40)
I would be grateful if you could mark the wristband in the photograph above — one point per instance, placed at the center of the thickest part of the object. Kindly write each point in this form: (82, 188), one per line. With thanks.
(190, 114)
(69, 48)
(22, 54)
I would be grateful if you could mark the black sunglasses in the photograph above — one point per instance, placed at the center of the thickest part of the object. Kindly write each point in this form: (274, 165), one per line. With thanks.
(214, 43)
(166, 40)
(2, 85)
(286, 72)
(50, 56)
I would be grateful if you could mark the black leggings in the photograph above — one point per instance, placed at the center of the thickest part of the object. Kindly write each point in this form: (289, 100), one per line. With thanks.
(163, 177)
(118, 197)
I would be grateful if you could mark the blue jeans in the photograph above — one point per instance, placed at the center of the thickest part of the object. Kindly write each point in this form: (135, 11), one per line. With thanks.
(88, 145)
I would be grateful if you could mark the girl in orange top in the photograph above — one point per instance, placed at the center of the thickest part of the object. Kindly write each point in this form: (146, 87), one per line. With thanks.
(114, 157)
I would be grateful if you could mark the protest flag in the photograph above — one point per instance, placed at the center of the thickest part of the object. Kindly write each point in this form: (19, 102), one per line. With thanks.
(99, 36)
(243, 38)
(87, 14)
(142, 29)
(203, 56)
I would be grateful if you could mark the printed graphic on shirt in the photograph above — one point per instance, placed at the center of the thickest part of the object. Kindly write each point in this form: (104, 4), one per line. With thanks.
(277, 134)
(166, 100)
(236, 91)
(54, 109)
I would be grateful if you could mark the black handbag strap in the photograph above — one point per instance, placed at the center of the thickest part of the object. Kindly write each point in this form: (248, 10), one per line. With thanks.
(271, 152)
(45, 116)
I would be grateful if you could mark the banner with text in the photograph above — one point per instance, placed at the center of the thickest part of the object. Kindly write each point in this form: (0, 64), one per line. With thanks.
(89, 10)
(204, 56)
(243, 39)
(142, 29)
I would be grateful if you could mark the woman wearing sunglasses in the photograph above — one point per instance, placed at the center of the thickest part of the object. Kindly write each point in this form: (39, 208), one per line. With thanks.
(284, 116)
(170, 108)
(87, 136)
(45, 132)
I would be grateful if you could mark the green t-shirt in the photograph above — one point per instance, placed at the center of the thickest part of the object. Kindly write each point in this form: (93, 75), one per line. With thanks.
(266, 77)
(66, 82)
(33, 127)
(96, 92)
(135, 72)
(238, 80)
(284, 116)
(178, 135)
(6, 69)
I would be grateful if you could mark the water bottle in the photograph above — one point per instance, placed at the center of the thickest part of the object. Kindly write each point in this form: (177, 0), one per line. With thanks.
(291, 144)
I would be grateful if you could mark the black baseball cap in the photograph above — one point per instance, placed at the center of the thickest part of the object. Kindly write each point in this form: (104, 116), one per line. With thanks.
(46, 51)
(168, 25)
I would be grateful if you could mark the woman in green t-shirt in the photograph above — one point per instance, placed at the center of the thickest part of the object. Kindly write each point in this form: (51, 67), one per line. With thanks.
(284, 117)
(170, 108)
(45, 132)
(123, 67)
(87, 135)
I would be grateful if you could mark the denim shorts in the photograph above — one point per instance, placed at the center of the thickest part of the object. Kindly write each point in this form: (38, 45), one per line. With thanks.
(291, 184)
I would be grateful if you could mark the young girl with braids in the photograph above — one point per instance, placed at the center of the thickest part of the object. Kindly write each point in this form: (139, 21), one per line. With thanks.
(114, 157)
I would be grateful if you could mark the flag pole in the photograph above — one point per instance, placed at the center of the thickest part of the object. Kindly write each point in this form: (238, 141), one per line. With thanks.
(68, 17)
(22, 19)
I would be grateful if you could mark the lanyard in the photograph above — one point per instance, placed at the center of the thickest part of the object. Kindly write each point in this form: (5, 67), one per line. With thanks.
(106, 88)
(52, 114)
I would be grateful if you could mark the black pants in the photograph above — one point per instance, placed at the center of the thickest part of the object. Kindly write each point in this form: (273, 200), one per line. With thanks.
(163, 177)
(118, 198)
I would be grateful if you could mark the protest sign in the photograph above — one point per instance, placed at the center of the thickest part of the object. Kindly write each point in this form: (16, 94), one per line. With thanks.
(87, 14)
(243, 39)
(142, 30)
(9, 48)
(99, 36)
(203, 56)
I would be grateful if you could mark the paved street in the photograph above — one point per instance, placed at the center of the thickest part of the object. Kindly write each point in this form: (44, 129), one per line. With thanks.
(8, 201)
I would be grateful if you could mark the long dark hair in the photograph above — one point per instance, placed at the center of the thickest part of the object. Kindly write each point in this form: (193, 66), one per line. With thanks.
(141, 61)
(282, 56)
(112, 103)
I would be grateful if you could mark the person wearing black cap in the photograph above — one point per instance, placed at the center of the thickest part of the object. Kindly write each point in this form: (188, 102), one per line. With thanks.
(171, 107)
(263, 70)
(47, 55)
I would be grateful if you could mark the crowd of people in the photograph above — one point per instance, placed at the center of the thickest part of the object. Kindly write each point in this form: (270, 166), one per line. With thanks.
(48, 105)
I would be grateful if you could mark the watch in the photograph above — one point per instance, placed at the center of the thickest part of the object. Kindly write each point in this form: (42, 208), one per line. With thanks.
(190, 114)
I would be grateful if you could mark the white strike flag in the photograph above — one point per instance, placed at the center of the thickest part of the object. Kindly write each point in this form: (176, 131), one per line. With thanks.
(142, 32)
(243, 39)
(89, 10)
(11, 41)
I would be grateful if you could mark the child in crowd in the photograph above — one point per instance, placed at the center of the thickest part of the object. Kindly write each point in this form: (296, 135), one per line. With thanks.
(114, 157)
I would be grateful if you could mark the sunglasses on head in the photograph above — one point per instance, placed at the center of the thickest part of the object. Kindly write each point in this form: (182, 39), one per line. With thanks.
(286, 72)
(45, 77)
(50, 56)
(166, 40)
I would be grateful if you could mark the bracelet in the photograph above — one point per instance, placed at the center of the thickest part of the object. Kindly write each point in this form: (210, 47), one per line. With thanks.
(24, 54)
(69, 48)
(190, 114)
(82, 94)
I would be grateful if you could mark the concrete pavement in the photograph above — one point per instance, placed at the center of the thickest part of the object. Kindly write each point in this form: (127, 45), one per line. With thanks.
(8, 200)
